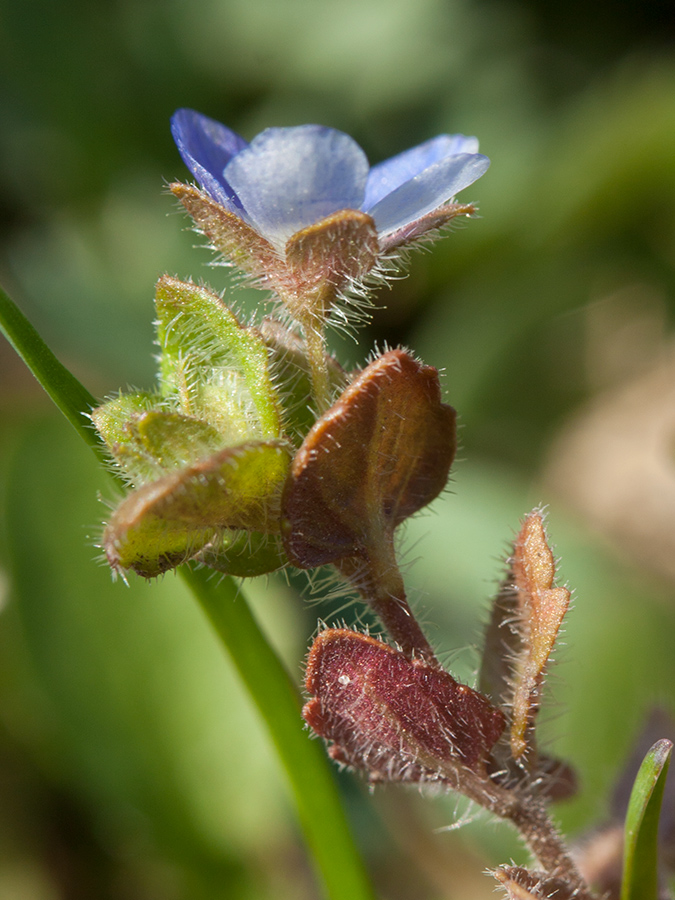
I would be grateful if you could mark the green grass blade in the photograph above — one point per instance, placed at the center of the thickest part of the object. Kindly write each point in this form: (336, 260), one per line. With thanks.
(640, 863)
(304, 760)
(74, 400)
(269, 684)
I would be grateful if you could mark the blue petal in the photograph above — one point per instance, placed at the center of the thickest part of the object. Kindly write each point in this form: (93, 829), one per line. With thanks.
(289, 178)
(427, 191)
(392, 173)
(207, 147)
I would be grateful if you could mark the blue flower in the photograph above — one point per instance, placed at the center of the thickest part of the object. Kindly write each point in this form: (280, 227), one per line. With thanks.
(288, 179)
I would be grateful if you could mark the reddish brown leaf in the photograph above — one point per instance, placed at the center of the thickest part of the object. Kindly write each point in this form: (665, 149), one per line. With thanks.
(396, 718)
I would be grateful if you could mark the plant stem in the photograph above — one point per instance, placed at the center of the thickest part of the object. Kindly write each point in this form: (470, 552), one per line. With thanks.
(541, 836)
(315, 343)
(379, 581)
(528, 815)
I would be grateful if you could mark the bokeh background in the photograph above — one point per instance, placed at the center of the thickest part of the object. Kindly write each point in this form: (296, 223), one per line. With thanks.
(131, 764)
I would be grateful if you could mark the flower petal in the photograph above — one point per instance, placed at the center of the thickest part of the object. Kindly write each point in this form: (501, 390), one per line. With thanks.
(290, 178)
(207, 147)
(427, 191)
(392, 173)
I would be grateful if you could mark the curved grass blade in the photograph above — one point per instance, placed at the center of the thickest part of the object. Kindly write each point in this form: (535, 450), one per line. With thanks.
(640, 863)
(278, 701)
(269, 684)
(74, 400)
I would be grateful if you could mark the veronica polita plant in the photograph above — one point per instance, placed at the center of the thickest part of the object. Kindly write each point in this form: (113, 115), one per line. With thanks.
(257, 451)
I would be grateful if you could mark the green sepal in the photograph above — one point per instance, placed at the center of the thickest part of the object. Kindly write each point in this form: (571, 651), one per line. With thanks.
(175, 518)
(245, 554)
(640, 861)
(148, 443)
(111, 417)
(209, 359)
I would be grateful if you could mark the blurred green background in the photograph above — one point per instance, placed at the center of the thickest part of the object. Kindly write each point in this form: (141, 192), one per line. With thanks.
(131, 765)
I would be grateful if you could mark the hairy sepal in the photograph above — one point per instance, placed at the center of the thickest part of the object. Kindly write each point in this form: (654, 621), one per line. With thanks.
(198, 509)
(211, 366)
(325, 259)
(426, 228)
(319, 263)
(380, 454)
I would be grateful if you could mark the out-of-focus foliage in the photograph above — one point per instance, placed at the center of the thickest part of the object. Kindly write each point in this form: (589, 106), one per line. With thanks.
(132, 765)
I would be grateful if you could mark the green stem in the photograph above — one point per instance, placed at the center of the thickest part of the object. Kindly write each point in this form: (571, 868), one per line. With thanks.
(315, 344)
(278, 702)
(270, 687)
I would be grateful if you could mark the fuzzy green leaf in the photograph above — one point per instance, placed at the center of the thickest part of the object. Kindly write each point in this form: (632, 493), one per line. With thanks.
(111, 417)
(245, 554)
(151, 444)
(640, 866)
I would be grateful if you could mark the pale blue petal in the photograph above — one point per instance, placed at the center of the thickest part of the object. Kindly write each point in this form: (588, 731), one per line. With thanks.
(392, 173)
(207, 147)
(289, 178)
(427, 191)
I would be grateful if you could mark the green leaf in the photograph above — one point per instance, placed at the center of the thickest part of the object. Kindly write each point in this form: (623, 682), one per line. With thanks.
(111, 417)
(245, 554)
(640, 865)
(149, 443)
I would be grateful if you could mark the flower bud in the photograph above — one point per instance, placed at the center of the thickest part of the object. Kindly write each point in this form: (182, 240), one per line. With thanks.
(526, 618)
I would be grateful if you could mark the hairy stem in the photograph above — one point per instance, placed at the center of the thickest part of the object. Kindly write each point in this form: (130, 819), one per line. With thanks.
(528, 815)
(315, 343)
(379, 581)
(541, 836)
(378, 578)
